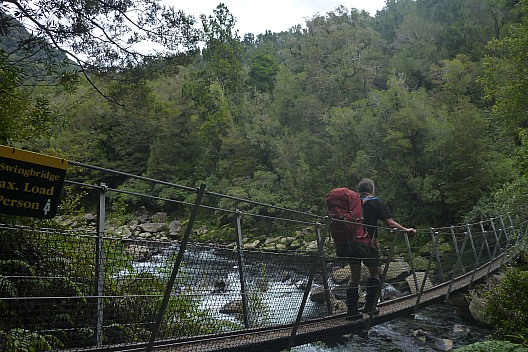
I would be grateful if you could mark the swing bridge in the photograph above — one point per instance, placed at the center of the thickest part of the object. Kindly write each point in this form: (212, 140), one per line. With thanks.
(94, 286)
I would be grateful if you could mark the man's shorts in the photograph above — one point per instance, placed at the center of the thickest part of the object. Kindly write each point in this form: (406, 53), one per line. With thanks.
(356, 252)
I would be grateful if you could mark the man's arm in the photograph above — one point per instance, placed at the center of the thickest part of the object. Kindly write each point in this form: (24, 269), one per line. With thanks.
(394, 225)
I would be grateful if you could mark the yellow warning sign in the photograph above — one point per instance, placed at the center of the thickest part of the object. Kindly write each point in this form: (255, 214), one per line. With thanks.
(30, 183)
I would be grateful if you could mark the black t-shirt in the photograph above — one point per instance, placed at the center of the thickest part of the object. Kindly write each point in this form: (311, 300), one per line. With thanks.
(374, 210)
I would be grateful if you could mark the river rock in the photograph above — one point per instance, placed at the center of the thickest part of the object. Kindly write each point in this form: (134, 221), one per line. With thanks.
(233, 307)
(153, 227)
(159, 217)
(175, 227)
(123, 231)
(477, 307)
(312, 247)
(318, 295)
(219, 287)
(460, 330)
(444, 345)
(138, 252)
(338, 305)
(341, 275)
(252, 245)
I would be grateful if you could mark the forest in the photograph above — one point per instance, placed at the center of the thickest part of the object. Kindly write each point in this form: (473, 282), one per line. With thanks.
(427, 98)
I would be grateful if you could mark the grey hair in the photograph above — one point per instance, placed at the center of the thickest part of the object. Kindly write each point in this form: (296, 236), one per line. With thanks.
(366, 185)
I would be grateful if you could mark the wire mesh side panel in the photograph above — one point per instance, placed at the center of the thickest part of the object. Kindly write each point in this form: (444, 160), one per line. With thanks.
(48, 287)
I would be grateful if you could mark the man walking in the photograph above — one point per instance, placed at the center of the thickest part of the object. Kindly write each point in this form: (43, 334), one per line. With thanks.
(374, 210)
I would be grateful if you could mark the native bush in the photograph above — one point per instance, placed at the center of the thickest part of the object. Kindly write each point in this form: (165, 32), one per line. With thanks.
(492, 346)
(507, 304)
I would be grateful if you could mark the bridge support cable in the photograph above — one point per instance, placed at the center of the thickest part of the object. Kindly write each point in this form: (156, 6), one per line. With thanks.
(241, 271)
(176, 268)
(99, 264)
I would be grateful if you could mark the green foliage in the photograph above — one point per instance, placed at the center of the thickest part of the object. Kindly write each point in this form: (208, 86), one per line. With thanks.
(263, 71)
(492, 346)
(21, 340)
(71, 201)
(505, 78)
(507, 304)
(512, 200)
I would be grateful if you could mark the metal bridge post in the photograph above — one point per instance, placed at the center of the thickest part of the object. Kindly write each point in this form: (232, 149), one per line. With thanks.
(411, 260)
(243, 292)
(99, 263)
(485, 236)
(295, 327)
(477, 261)
(176, 268)
(435, 249)
(323, 269)
(508, 241)
(497, 246)
(396, 233)
(429, 264)
(459, 260)
(506, 232)
(470, 236)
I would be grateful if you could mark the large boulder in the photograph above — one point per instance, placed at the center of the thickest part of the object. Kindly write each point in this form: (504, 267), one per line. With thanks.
(153, 227)
(477, 307)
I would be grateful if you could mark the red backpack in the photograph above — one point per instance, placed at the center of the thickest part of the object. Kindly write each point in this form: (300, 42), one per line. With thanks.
(345, 204)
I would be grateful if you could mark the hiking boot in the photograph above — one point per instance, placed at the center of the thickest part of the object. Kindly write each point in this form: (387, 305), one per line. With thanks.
(352, 297)
(373, 285)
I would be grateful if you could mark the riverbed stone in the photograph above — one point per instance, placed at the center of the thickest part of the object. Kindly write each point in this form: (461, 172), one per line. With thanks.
(175, 227)
(233, 307)
(341, 275)
(477, 306)
(252, 245)
(460, 330)
(138, 252)
(153, 227)
(444, 345)
(312, 246)
(318, 295)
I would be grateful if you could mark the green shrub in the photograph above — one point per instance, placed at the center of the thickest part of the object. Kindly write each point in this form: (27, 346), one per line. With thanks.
(492, 346)
(507, 304)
